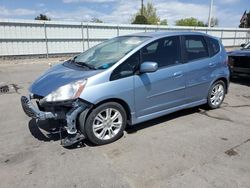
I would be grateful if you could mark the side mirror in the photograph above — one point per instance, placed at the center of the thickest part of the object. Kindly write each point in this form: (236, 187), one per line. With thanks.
(242, 45)
(148, 67)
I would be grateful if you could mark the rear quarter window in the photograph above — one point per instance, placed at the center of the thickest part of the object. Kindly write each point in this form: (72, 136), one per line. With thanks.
(213, 45)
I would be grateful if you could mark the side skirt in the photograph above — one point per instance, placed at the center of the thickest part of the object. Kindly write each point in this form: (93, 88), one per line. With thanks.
(136, 120)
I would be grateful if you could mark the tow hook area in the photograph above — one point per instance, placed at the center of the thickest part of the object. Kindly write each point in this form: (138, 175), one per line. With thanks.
(71, 118)
(72, 139)
(74, 136)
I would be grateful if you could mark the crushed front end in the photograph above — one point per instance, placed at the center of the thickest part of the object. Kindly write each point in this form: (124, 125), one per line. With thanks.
(68, 111)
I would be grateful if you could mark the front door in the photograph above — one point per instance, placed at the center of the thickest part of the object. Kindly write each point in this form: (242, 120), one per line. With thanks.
(164, 89)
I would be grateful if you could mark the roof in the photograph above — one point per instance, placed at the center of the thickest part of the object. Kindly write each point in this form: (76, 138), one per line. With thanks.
(165, 33)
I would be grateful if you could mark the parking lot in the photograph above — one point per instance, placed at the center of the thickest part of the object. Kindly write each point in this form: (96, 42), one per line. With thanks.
(190, 148)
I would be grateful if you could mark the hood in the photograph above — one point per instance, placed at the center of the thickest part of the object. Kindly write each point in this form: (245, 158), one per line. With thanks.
(60, 75)
(239, 53)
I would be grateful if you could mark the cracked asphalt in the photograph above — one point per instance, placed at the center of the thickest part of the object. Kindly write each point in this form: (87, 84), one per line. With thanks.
(191, 148)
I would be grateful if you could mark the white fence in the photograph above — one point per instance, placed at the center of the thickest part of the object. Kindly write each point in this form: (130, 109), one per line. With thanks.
(29, 37)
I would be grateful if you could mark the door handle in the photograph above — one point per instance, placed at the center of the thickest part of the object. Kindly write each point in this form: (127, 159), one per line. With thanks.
(178, 74)
(211, 64)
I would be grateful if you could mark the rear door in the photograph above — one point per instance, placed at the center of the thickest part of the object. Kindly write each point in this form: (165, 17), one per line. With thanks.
(199, 66)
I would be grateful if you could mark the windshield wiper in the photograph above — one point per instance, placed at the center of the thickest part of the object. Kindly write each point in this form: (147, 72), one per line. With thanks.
(83, 64)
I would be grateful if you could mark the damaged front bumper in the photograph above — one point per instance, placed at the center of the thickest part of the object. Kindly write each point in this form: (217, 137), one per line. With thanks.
(33, 112)
(67, 111)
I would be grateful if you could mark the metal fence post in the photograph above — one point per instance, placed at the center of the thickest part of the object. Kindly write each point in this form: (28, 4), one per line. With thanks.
(235, 34)
(82, 37)
(46, 40)
(145, 28)
(88, 35)
(118, 30)
(247, 39)
(221, 35)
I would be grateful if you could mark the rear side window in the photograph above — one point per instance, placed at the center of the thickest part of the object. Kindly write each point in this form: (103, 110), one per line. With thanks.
(195, 47)
(213, 45)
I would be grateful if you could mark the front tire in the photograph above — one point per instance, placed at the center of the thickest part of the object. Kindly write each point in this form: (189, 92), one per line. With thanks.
(216, 94)
(105, 123)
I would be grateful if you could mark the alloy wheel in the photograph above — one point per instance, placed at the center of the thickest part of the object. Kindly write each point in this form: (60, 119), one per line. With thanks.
(107, 124)
(217, 94)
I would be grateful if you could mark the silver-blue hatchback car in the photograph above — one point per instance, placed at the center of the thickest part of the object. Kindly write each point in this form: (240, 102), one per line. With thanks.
(128, 80)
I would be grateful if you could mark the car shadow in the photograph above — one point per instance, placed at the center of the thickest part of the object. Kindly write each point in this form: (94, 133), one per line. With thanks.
(153, 122)
(48, 130)
(241, 80)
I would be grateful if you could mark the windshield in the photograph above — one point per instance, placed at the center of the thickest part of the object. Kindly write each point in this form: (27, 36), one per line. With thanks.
(247, 46)
(109, 52)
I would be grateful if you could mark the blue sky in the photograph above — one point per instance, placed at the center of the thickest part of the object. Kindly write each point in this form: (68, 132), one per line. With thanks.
(228, 12)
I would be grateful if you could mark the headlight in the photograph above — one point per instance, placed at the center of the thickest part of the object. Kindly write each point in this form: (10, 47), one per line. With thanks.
(66, 92)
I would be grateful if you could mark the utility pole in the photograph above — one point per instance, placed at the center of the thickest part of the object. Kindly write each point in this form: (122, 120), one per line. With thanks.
(142, 7)
(210, 13)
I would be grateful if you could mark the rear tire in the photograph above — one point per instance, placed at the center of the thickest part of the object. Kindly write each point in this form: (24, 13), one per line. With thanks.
(216, 94)
(105, 123)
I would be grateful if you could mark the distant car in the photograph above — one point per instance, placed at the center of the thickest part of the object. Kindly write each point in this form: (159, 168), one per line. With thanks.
(128, 80)
(239, 61)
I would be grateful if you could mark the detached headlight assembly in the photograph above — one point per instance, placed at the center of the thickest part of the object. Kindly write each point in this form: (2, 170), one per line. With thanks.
(67, 92)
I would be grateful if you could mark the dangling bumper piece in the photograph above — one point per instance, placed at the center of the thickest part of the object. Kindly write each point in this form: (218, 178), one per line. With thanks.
(57, 111)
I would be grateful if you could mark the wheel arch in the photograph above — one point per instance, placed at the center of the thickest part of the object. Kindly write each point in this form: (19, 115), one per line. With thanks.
(119, 101)
(84, 115)
(225, 80)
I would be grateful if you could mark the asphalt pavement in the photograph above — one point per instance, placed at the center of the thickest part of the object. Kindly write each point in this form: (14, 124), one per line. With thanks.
(191, 148)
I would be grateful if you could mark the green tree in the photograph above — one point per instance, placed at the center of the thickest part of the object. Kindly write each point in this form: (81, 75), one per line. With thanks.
(140, 19)
(96, 20)
(149, 16)
(164, 22)
(42, 17)
(190, 22)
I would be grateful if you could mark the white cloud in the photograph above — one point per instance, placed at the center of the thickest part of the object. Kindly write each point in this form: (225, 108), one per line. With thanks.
(174, 10)
(4, 12)
(81, 14)
(88, 1)
(228, 1)
(40, 4)
(121, 11)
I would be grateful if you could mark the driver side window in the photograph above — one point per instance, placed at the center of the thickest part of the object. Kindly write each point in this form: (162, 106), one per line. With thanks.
(127, 68)
(164, 51)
